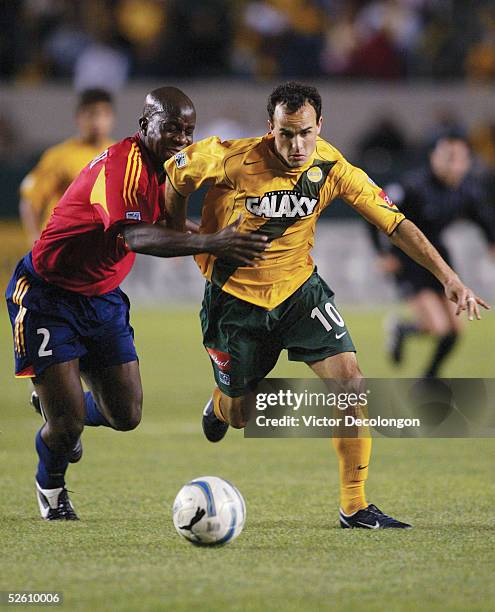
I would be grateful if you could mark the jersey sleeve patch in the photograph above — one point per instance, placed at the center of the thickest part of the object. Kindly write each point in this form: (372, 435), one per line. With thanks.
(199, 163)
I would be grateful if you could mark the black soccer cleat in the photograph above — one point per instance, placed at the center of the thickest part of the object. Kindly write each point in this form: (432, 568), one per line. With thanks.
(55, 504)
(395, 341)
(77, 451)
(370, 518)
(214, 429)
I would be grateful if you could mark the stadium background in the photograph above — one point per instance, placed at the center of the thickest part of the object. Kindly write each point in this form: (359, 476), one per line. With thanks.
(393, 74)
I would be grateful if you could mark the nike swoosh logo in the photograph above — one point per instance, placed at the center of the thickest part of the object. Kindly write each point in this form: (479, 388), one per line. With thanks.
(339, 336)
(362, 467)
(256, 161)
(375, 526)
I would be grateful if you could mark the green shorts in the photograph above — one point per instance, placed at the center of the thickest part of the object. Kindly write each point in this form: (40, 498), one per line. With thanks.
(244, 341)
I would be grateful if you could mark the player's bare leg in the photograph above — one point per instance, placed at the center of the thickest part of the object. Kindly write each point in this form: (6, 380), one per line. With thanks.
(430, 318)
(353, 452)
(117, 395)
(436, 316)
(60, 391)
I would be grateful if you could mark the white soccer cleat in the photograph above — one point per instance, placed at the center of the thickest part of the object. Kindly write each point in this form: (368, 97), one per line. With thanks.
(55, 504)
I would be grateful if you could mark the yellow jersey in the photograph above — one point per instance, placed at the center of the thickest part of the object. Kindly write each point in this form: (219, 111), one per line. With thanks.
(58, 167)
(246, 177)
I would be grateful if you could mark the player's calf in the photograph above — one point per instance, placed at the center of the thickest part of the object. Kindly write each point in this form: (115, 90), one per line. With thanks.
(116, 397)
(77, 449)
(235, 410)
(63, 433)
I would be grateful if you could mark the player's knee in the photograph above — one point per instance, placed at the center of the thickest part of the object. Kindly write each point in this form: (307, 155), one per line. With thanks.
(237, 421)
(130, 419)
(239, 413)
(127, 423)
(440, 327)
(350, 376)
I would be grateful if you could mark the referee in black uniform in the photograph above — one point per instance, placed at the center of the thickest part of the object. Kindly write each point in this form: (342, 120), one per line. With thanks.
(433, 197)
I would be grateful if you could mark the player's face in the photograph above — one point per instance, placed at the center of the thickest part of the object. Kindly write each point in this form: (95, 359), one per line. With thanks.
(166, 133)
(95, 122)
(451, 161)
(295, 133)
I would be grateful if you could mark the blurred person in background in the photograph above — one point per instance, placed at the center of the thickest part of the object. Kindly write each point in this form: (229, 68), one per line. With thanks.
(43, 187)
(433, 197)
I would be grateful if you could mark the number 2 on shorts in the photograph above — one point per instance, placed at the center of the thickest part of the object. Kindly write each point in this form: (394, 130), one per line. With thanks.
(332, 312)
(44, 343)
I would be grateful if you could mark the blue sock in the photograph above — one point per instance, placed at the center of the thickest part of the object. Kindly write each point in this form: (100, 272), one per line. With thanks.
(51, 466)
(93, 418)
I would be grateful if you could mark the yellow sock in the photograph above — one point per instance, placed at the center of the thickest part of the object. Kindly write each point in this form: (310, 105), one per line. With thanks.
(354, 456)
(217, 395)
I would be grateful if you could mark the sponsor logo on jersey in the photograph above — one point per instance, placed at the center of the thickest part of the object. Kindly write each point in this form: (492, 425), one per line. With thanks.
(385, 197)
(180, 159)
(221, 359)
(134, 215)
(288, 204)
(99, 158)
(314, 174)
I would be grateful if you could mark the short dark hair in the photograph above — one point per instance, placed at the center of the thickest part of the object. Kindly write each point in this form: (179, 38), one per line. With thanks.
(93, 96)
(293, 95)
(450, 134)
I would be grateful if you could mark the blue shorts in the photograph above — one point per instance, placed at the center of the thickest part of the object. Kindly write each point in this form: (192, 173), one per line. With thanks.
(52, 325)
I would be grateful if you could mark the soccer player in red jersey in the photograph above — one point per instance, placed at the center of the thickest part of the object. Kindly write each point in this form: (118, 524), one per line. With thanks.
(69, 316)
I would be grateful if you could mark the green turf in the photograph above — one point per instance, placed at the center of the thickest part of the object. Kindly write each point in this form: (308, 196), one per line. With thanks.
(125, 555)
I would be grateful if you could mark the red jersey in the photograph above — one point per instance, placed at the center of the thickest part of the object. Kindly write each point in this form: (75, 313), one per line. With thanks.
(81, 249)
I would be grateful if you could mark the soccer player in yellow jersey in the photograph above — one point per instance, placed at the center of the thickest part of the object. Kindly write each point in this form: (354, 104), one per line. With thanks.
(43, 187)
(280, 183)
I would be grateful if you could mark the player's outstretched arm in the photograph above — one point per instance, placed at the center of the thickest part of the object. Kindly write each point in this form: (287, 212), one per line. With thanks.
(414, 243)
(228, 243)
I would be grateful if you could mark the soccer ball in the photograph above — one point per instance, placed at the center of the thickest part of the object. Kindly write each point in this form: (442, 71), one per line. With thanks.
(209, 510)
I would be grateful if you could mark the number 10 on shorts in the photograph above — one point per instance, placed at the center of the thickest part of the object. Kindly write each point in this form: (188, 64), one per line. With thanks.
(332, 313)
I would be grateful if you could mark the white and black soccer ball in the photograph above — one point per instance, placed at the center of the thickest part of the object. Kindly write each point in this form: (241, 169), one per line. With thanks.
(209, 511)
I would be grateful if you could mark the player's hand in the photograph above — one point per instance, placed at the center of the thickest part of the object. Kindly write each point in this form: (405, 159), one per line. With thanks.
(192, 227)
(465, 298)
(239, 247)
(389, 264)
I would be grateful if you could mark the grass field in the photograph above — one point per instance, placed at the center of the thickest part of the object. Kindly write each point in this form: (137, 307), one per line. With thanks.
(125, 555)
